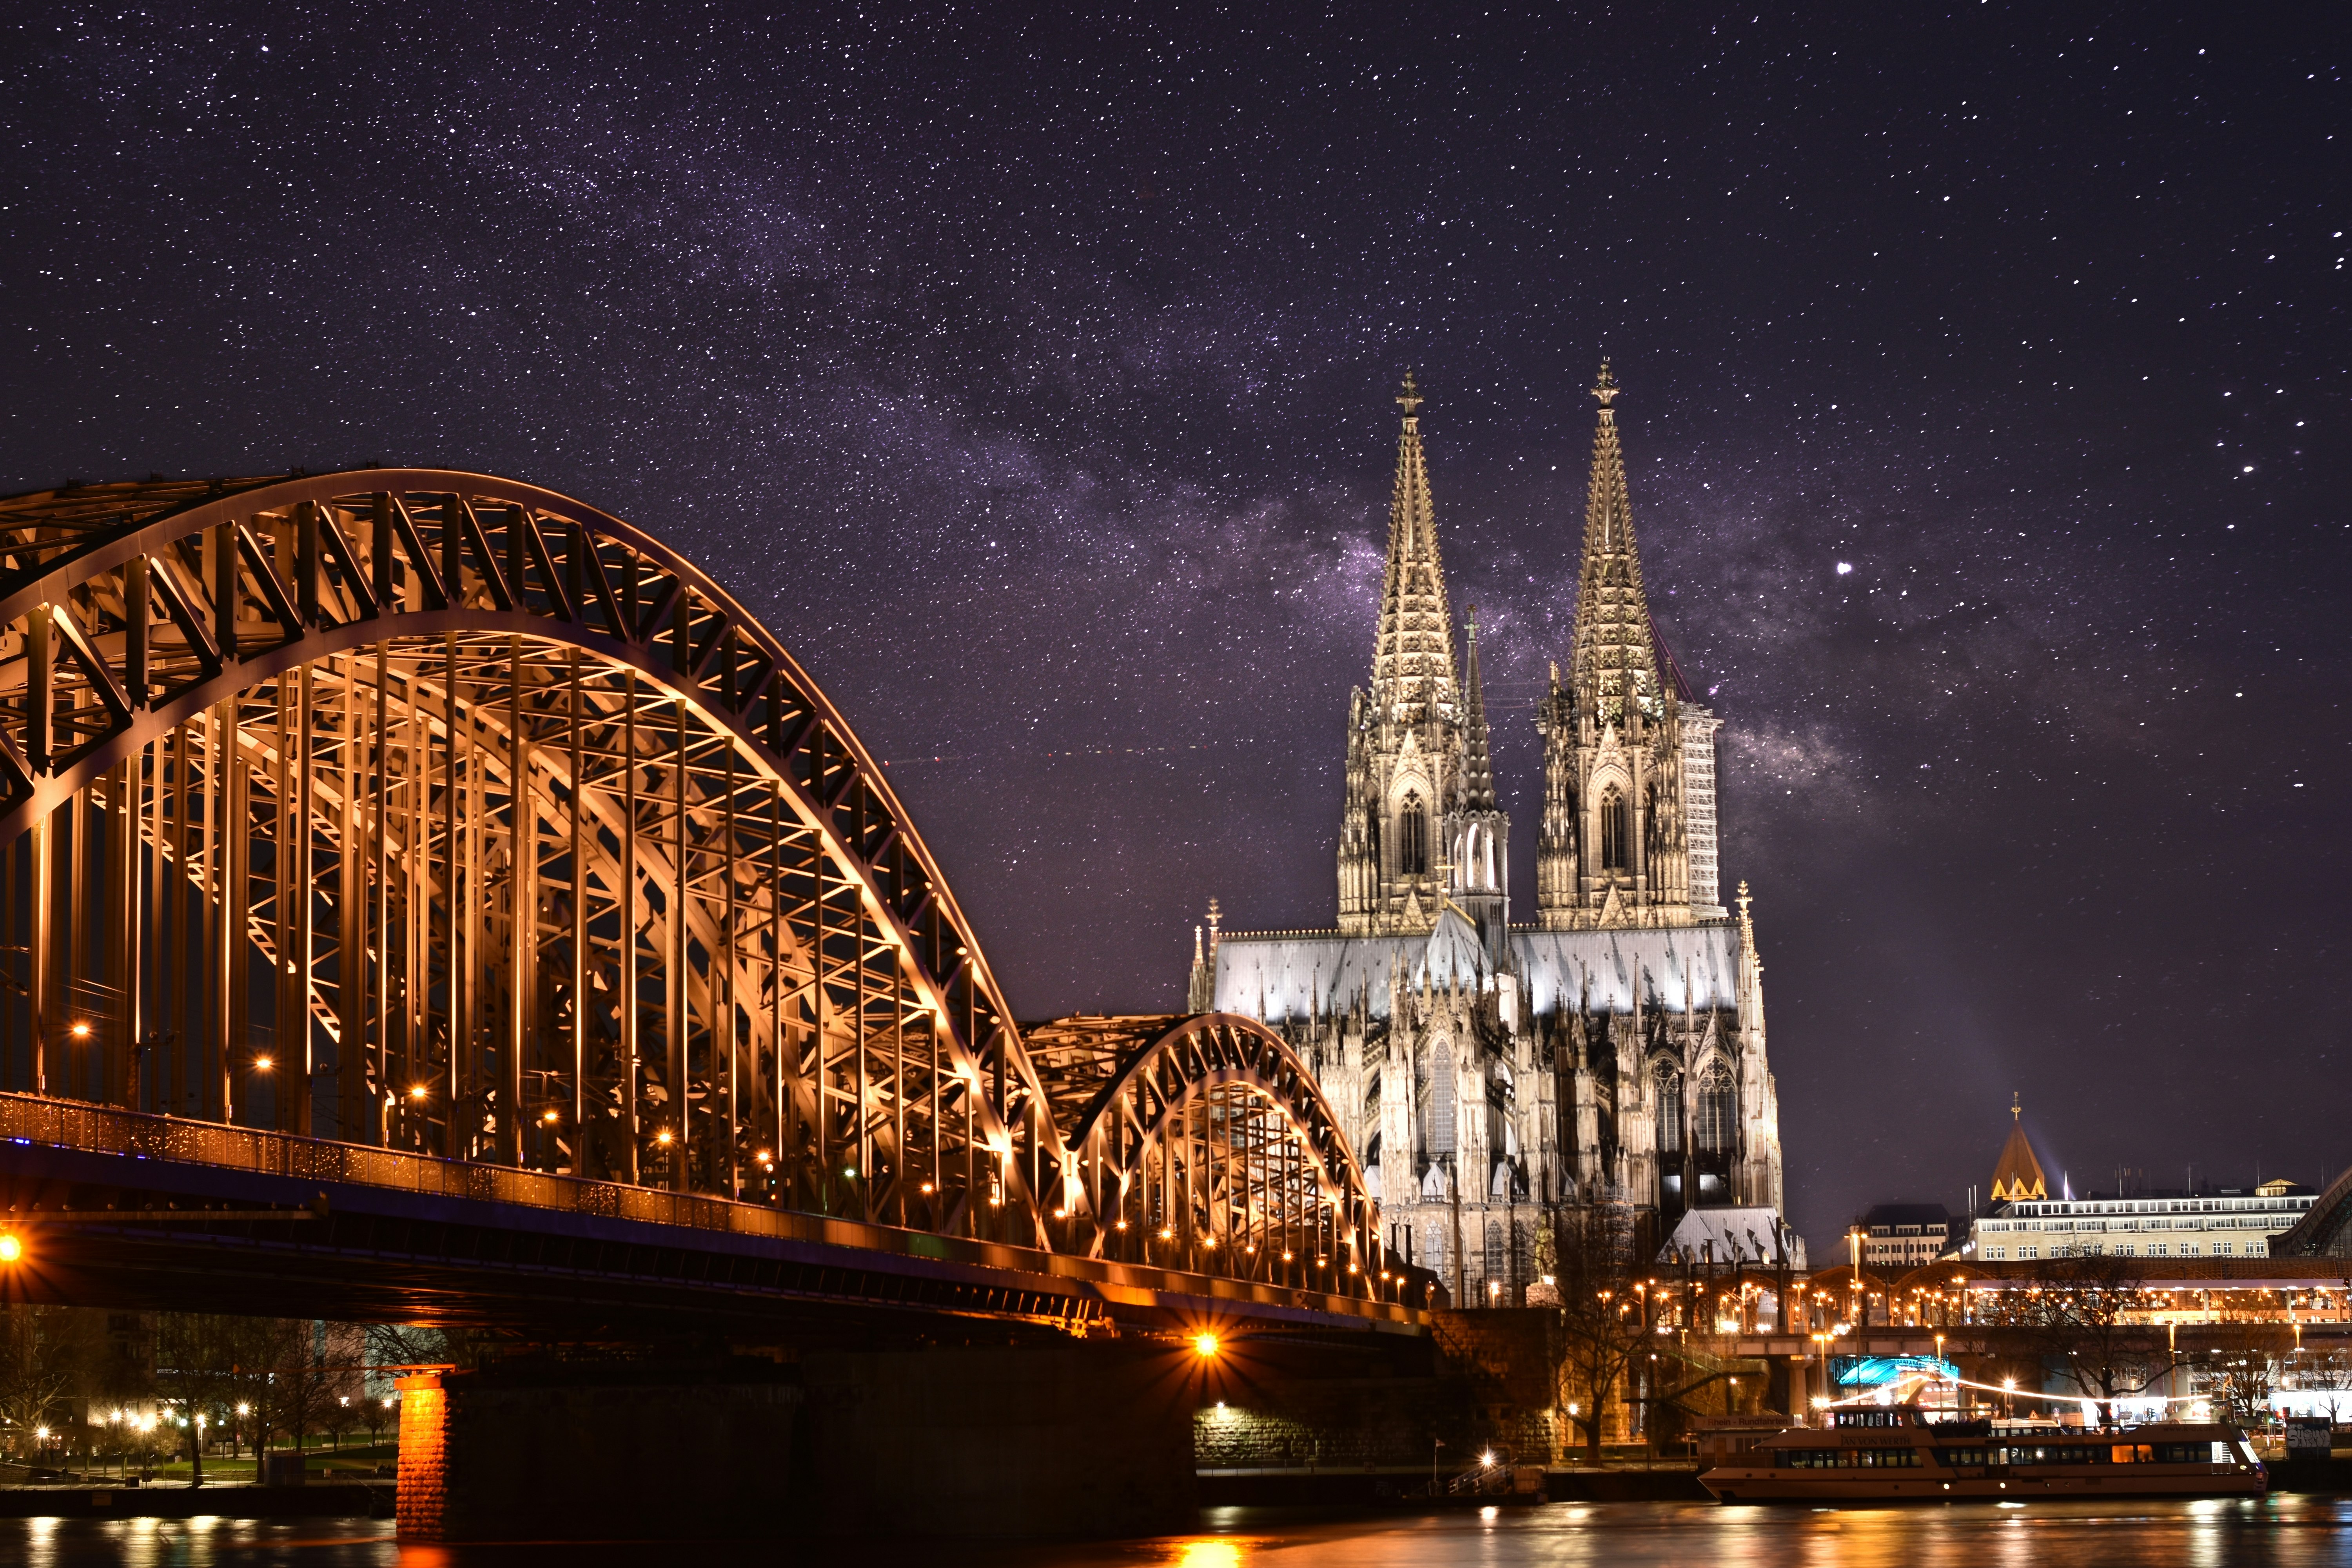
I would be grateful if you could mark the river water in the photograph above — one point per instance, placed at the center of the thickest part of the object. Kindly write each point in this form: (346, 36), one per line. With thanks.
(2280, 1530)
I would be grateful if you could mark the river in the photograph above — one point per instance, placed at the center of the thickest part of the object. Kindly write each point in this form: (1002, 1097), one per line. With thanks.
(2285, 1530)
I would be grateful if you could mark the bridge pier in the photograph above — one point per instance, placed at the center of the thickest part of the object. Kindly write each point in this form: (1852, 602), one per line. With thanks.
(1082, 1440)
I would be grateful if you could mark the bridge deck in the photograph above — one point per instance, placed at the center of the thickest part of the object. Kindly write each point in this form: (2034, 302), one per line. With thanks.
(366, 1232)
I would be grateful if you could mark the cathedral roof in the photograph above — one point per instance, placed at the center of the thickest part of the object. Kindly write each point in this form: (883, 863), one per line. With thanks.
(1731, 1236)
(1275, 975)
(1454, 954)
(2017, 1174)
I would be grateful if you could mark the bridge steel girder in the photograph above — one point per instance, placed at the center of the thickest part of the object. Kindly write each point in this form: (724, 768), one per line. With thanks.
(458, 817)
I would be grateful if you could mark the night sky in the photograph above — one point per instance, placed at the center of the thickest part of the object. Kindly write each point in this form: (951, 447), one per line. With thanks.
(1986, 398)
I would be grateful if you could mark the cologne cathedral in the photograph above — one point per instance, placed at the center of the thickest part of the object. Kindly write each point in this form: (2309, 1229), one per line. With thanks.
(1491, 1074)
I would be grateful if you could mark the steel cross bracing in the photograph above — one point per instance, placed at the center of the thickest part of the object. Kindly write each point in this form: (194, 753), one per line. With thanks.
(439, 811)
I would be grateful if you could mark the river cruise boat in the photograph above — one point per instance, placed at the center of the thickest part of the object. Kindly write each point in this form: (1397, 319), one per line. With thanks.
(1898, 1453)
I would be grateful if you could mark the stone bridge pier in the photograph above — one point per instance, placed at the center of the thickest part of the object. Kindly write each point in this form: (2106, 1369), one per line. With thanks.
(1079, 1440)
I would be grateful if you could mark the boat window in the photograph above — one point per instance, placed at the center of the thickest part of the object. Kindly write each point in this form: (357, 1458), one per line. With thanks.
(1847, 1458)
(2132, 1453)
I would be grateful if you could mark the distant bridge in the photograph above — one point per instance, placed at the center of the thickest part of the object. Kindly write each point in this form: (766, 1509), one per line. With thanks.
(425, 895)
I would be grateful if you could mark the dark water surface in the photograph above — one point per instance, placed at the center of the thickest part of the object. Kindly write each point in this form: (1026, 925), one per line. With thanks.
(2285, 1529)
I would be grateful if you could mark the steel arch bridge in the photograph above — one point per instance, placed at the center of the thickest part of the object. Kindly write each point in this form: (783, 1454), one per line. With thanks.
(442, 813)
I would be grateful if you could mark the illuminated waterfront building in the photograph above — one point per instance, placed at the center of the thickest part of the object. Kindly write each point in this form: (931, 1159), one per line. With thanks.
(1611, 1052)
(2211, 1222)
(1900, 1237)
(2025, 1224)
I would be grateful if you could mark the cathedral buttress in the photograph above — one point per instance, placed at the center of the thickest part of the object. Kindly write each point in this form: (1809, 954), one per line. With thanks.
(1477, 834)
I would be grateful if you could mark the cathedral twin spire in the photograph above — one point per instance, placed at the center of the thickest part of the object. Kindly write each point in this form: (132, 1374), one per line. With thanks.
(1422, 827)
(1615, 659)
(1412, 663)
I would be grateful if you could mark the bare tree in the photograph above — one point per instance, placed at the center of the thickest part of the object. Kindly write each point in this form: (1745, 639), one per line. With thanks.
(2245, 1349)
(2091, 1313)
(1604, 1319)
(35, 1371)
(208, 1362)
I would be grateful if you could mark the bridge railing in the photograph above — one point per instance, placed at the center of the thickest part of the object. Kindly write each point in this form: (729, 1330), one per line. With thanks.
(105, 1130)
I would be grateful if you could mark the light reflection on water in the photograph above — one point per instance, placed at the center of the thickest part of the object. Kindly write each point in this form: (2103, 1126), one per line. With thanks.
(2287, 1530)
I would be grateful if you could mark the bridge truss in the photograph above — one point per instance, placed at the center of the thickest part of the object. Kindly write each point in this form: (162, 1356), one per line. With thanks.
(440, 813)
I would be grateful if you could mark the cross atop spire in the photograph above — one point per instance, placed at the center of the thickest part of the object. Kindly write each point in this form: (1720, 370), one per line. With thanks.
(1412, 660)
(1614, 656)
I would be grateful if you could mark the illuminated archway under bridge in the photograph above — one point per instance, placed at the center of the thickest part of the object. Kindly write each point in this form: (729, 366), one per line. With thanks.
(443, 814)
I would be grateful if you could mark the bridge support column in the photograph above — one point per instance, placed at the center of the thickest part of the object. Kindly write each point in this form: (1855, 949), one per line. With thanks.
(1076, 1440)
(1090, 1440)
(568, 1452)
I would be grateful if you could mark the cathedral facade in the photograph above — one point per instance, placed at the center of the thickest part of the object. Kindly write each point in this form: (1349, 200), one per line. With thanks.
(1490, 1074)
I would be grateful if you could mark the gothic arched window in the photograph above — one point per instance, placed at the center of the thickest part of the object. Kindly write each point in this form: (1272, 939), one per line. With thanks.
(1713, 1128)
(1613, 832)
(1670, 1110)
(1412, 838)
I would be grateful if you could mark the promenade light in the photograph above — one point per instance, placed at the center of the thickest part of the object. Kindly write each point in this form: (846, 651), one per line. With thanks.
(79, 1031)
(1204, 1345)
(417, 1091)
(547, 1117)
(262, 1064)
(662, 1137)
(12, 1248)
(1486, 1460)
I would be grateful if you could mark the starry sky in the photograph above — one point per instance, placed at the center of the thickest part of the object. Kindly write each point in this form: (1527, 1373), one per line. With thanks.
(1985, 401)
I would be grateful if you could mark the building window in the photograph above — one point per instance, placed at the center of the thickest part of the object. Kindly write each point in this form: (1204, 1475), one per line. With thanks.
(1670, 1110)
(1412, 839)
(1712, 1128)
(1612, 831)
